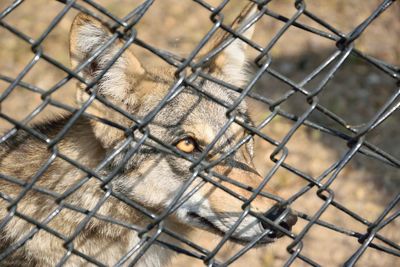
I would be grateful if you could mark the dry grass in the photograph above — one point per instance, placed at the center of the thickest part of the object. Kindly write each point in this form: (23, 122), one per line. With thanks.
(356, 93)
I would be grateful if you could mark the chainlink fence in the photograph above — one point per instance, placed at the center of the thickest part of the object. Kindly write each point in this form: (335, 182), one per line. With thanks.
(292, 107)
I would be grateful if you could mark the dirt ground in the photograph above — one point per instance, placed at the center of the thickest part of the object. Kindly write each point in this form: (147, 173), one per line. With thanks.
(356, 93)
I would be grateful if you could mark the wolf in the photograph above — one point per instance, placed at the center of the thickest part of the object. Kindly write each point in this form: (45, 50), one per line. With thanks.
(92, 170)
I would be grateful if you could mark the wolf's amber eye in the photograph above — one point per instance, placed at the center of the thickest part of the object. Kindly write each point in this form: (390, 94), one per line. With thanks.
(187, 145)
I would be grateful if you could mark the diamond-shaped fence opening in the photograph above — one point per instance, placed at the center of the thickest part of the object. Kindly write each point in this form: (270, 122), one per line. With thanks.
(136, 131)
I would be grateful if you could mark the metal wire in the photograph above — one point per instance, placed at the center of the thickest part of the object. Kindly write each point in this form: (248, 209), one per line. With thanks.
(185, 75)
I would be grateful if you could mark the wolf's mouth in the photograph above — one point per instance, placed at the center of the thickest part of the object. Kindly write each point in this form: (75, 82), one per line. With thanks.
(206, 224)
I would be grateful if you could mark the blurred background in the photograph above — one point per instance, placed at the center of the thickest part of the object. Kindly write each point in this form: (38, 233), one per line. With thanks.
(356, 93)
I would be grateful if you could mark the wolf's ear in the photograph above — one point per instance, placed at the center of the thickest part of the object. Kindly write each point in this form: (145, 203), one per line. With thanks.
(87, 37)
(231, 61)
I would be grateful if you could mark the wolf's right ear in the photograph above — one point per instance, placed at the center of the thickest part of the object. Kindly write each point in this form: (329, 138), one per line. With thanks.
(87, 37)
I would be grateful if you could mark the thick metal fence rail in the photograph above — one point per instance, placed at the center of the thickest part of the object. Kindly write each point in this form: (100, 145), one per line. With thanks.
(187, 70)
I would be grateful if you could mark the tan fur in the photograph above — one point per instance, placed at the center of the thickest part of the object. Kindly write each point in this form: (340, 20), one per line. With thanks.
(150, 180)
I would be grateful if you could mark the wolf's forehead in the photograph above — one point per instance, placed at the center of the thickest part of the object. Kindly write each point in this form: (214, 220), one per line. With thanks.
(192, 107)
(204, 96)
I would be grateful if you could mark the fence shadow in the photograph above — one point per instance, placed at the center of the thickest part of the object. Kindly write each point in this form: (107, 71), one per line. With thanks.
(356, 93)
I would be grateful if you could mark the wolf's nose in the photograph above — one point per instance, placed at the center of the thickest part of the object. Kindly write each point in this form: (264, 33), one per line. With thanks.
(287, 222)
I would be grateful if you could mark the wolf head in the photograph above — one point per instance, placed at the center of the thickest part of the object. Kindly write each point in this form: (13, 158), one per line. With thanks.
(189, 123)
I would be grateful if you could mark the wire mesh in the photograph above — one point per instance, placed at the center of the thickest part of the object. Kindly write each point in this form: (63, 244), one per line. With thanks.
(191, 72)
